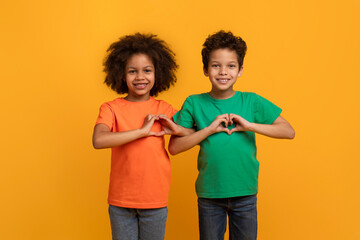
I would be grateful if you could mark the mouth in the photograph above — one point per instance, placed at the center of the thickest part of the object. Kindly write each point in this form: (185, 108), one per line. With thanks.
(140, 85)
(223, 80)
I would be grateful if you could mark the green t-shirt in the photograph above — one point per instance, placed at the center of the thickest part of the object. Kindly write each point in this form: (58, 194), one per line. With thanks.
(227, 164)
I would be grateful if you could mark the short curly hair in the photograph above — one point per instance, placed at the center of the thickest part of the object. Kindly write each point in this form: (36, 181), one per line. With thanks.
(156, 49)
(220, 40)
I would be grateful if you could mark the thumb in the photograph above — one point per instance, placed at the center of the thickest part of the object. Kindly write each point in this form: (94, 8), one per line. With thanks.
(232, 131)
(227, 131)
(157, 134)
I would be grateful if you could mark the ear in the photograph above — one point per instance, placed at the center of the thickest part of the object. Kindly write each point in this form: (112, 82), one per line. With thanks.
(241, 71)
(205, 72)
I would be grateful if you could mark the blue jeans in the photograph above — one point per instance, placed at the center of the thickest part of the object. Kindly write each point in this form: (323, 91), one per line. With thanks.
(137, 224)
(242, 218)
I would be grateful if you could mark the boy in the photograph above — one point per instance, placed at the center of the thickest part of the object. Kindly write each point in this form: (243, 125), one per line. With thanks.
(227, 183)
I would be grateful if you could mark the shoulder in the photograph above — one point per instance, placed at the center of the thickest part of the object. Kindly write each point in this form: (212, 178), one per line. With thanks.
(114, 105)
(115, 102)
(251, 97)
(163, 107)
(248, 95)
(161, 103)
(197, 97)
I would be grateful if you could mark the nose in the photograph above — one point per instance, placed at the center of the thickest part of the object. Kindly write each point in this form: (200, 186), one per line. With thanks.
(140, 76)
(223, 71)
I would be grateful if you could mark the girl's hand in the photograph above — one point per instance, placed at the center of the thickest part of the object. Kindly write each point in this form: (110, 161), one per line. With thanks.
(241, 124)
(148, 123)
(217, 125)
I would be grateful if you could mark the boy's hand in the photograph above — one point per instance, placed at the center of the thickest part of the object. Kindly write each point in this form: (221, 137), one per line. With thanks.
(217, 125)
(241, 124)
(148, 123)
(168, 126)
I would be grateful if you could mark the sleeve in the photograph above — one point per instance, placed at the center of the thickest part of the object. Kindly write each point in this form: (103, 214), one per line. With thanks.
(106, 115)
(184, 117)
(265, 112)
(170, 111)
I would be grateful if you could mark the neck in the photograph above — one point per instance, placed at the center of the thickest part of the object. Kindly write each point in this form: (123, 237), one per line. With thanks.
(222, 94)
(137, 98)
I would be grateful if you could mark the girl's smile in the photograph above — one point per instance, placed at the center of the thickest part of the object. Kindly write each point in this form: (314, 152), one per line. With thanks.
(140, 77)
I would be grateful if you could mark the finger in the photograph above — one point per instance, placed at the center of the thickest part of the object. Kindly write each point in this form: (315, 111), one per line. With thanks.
(231, 122)
(165, 119)
(151, 134)
(155, 134)
(238, 129)
(232, 116)
(221, 129)
(158, 134)
(163, 116)
(168, 123)
(224, 121)
(227, 131)
(149, 117)
(148, 123)
(222, 116)
(235, 130)
(217, 122)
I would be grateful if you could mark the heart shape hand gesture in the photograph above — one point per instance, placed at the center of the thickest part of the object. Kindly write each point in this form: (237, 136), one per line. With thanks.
(241, 123)
(168, 126)
(221, 123)
(148, 123)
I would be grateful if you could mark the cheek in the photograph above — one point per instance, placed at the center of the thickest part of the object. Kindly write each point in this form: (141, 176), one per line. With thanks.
(127, 80)
(152, 79)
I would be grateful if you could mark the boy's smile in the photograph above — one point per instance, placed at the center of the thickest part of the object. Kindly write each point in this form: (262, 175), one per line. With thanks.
(223, 70)
(140, 77)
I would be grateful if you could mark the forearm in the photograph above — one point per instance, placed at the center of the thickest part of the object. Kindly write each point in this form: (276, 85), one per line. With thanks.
(114, 139)
(275, 130)
(181, 131)
(179, 144)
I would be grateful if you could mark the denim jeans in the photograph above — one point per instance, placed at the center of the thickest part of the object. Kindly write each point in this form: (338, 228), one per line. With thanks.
(242, 218)
(137, 224)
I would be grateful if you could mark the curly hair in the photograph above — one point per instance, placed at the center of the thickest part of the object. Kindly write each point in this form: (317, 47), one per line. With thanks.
(220, 40)
(156, 49)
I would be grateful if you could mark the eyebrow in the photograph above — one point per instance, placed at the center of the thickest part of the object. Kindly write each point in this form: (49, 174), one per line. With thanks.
(215, 61)
(149, 66)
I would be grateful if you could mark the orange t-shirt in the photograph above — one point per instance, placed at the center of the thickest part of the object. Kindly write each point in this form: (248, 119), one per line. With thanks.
(140, 170)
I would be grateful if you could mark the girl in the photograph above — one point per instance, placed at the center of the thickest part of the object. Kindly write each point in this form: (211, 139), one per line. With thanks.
(133, 127)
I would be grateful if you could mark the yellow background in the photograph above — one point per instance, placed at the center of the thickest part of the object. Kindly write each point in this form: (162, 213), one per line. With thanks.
(302, 55)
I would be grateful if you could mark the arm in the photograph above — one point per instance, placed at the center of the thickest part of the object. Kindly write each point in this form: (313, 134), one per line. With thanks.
(280, 128)
(104, 138)
(181, 144)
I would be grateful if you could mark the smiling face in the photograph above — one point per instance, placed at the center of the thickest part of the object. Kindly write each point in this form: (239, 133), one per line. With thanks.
(139, 77)
(223, 70)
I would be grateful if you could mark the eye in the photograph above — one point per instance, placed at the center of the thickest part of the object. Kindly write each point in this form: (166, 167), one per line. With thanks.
(131, 71)
(215, 65)
(232, 66)
(148, 70)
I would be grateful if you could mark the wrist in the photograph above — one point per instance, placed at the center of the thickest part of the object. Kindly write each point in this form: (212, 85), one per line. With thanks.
(142, 132)
(208, 131)
(252, 127)
(177, 131)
